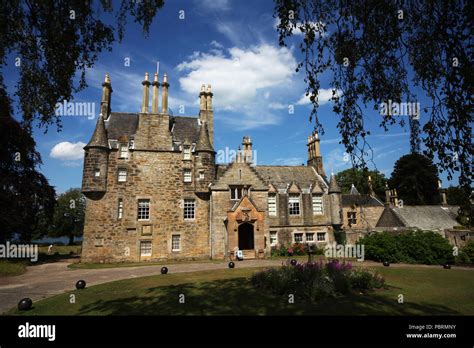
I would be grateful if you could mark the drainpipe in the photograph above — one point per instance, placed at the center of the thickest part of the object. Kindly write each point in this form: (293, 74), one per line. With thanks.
(210, 226)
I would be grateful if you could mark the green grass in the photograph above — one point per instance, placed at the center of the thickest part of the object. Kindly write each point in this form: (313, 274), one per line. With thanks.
(228, 292)
(12, 268)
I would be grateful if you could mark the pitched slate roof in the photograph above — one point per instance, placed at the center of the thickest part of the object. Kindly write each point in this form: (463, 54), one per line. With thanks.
(281, 176)
(360, 200)
(424, 217)
(121, 123)
(186, 127)
(203, 143)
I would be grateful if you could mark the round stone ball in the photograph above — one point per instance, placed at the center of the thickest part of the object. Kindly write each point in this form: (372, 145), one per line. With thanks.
(447, 266)
(164, 270)
(25, 304)
(81, 284)
(293, 262)
(386, 263)
(231, 264)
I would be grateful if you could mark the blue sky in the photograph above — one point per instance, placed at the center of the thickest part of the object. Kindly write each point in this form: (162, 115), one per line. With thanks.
(232, 45)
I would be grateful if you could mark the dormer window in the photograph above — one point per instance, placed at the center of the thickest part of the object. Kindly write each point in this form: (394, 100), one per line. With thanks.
(187, 152)
(294, 203)
(123, 150)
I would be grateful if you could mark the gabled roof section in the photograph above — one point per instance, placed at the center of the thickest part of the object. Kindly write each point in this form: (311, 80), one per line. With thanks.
(354, 190)
(241, 174)
(272, 188)
(316, 188)
(294, 188)
(360, 200)
(243, 201)
(281, 176)
(333, 185)
(388, 218)
(426, 217)
(99, 138)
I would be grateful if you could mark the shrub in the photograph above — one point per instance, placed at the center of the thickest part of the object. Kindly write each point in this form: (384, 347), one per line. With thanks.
(466, 254)
(411, 247)
(316, 280)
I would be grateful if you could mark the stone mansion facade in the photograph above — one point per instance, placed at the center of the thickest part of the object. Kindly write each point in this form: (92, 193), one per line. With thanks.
(155, 192)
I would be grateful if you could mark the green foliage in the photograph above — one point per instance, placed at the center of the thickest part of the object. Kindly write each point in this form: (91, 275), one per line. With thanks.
(316, 280)
(374, 56)
(412, 247)
(69, 215)
(466, 254)
(360, 179)
(416, 179)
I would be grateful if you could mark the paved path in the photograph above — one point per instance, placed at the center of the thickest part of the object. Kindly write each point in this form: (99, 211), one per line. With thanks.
(55, 278)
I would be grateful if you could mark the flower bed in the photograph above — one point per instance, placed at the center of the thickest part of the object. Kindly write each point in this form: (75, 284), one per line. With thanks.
(317, 280)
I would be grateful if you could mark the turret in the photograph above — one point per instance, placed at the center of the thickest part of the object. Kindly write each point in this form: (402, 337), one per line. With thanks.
(335, 199)
(205, 160)
(314, 154)
(206, 113)
(94, 178)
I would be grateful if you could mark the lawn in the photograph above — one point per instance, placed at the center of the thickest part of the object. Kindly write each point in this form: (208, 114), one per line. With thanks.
(426, 291)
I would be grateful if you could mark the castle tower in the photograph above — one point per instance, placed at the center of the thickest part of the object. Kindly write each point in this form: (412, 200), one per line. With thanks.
(205, 160)
(94, 179)
(335, 199)
(206, 113)
(247, 150)
(314, 154)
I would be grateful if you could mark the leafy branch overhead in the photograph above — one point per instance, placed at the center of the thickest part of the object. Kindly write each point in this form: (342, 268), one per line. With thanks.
(378, 51)
(52, 41)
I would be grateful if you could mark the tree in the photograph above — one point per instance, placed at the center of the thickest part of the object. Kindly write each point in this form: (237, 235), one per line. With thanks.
(360, 179)
(415, 178)
(26, 198)
(456, 195)
(374, 52)
(69, 215)
(48, 62)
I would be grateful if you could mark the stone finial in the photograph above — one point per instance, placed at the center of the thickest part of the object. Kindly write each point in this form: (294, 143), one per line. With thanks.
(165, 78)
(208, 89)
(107, 78)
(203, 87)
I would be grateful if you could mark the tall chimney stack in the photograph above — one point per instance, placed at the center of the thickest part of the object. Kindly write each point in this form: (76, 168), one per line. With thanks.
(146, 87)
(164, 94)
(106, 96)
(202, 98)
(154, 103)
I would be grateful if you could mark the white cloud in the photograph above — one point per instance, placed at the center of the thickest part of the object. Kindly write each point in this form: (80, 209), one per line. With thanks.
(336, 160)
(324, 96)
(66, 151)
(277, 106)
(243, 80)
(222, 5)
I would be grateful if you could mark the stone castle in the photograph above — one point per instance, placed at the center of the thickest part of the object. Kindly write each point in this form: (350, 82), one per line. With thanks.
(155, 192)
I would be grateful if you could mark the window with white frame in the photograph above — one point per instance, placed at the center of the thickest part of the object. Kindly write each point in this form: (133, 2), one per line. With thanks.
(298, 237)
(145, 248)
(310, 237)
(189, 209)
(321, 236)
(122, 175)
(294, 203)
(317, 205)
(187, 152)
(201, 175)
(143, 209)
(188, 175)
(123, 150)
(120, 208)
(272, 204)
(273, 238)
(97, 172)
(176, 242)
(235, 192)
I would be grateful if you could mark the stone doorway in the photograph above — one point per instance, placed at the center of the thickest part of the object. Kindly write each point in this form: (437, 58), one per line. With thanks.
(246, 237)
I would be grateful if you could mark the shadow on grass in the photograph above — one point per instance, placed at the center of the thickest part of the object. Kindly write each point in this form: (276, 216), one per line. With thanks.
(238, 297)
